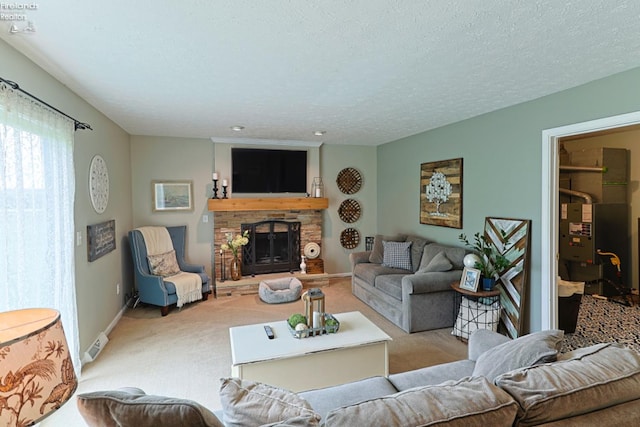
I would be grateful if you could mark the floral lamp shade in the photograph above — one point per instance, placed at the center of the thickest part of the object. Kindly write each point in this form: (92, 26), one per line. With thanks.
(36, 372)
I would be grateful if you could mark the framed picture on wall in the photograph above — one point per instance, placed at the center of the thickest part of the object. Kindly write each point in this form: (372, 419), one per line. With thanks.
(441, 193)
(172, 196)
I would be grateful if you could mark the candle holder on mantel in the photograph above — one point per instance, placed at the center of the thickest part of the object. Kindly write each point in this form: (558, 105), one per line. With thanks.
(317, 188)
(224, 191)
(215, 189)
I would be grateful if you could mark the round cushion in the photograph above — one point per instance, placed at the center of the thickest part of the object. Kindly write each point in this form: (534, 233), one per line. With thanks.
(277, 291)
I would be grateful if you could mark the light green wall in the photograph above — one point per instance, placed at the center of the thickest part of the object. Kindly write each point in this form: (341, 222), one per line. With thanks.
(98, 303)
(333, 159)
(502, 154)
(175, 159)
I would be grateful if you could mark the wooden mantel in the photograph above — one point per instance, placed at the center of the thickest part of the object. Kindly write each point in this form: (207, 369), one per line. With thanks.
(268, 204)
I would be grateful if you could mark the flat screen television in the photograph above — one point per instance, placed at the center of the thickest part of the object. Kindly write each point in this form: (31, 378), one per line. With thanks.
(268, 171)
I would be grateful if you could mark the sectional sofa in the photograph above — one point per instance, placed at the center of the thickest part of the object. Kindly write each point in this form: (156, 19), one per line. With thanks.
(504, 382)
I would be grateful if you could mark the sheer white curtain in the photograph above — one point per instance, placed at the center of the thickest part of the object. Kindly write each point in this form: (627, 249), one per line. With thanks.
(37, 186)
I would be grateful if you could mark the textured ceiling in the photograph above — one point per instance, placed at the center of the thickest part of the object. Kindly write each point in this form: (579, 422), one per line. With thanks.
(365, 71)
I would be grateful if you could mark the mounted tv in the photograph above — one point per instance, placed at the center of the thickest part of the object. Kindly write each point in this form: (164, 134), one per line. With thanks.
(268, 171)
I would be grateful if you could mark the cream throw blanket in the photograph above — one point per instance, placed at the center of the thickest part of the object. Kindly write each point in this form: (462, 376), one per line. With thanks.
(188, 285)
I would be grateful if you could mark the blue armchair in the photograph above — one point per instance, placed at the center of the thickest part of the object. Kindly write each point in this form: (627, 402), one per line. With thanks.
(156, 290)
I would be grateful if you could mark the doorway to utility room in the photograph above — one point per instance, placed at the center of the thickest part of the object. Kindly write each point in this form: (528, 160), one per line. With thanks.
(599, 213)
(595, 238)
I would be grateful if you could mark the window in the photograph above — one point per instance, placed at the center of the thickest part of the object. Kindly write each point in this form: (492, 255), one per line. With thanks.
(36, 210)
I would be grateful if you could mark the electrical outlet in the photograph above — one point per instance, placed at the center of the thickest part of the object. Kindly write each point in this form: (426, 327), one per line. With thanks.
(117, 288)
(205, 218)
(78, 238)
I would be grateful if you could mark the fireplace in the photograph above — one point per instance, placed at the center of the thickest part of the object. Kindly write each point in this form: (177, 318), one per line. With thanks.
(274, 247)
(230, 220)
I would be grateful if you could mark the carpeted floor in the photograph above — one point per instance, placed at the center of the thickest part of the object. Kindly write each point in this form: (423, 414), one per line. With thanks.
(186, 353)
(605, 321)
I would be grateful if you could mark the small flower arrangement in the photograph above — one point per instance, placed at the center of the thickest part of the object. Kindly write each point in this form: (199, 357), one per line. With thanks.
(233, 243)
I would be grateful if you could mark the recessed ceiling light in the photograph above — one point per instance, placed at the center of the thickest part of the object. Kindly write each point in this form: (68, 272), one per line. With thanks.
(319, 132)
(237, 128)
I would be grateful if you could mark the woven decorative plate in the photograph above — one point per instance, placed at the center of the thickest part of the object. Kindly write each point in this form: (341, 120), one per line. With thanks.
(349, 180)
(349, 211)
(349, 238)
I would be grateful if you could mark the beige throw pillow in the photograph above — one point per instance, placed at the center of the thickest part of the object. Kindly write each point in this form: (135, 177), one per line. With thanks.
(164, 265)
(467, 402)
(250, 403)
(568, 388)
(527, 350)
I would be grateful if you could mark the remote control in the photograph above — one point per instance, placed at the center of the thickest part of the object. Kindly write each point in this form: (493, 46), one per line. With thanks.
(269, 332)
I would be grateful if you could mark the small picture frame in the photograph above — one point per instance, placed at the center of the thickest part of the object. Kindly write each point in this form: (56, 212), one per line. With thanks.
(172, 195)
(470, 279)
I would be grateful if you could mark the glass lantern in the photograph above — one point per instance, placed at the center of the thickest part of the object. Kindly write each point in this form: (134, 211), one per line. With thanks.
(317, 189)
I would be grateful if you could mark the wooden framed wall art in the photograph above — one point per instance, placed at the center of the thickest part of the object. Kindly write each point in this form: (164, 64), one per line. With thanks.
(441, 193)
(511, 238)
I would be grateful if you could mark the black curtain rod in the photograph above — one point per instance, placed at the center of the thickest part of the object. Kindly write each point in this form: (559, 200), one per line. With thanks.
(15, 86)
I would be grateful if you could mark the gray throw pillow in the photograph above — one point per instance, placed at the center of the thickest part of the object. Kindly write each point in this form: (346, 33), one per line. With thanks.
(417, 248)
(454, 254)
(439, 262)
(251, 403)
(132, 407)
(397, 255)
(377, 253)
(527, 350)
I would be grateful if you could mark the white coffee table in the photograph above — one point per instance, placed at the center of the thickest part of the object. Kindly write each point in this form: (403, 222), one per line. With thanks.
(358, 350)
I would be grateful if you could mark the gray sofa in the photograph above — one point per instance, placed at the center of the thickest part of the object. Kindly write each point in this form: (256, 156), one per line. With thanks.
(415, 296)
(522, 382)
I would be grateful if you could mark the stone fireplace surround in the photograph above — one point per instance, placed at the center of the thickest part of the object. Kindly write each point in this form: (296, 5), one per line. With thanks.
(229, 214)
(230, 222)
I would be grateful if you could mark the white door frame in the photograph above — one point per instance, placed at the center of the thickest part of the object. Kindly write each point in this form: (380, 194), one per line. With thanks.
(550, 206)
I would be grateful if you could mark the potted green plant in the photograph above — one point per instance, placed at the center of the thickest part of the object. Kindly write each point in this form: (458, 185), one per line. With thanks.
(490, 262)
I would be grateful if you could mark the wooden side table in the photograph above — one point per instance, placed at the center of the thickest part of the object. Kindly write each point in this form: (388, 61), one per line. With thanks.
(475, 310)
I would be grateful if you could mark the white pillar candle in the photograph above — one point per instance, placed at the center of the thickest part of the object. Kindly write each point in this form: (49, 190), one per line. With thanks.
(224, 182)
(316, 319)
(215, 176)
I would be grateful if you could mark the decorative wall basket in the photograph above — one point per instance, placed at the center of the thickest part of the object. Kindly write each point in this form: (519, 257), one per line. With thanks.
(349, 181)
(349, 211)
(349, 238)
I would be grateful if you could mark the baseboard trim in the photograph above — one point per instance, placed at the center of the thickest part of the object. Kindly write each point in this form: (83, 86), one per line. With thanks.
(340, 275)
(106, 332)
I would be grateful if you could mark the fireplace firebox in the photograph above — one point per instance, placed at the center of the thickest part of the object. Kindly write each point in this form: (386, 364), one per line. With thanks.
(274, 247)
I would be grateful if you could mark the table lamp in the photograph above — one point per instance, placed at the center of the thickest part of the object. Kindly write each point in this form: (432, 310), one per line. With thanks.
(36, 372)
